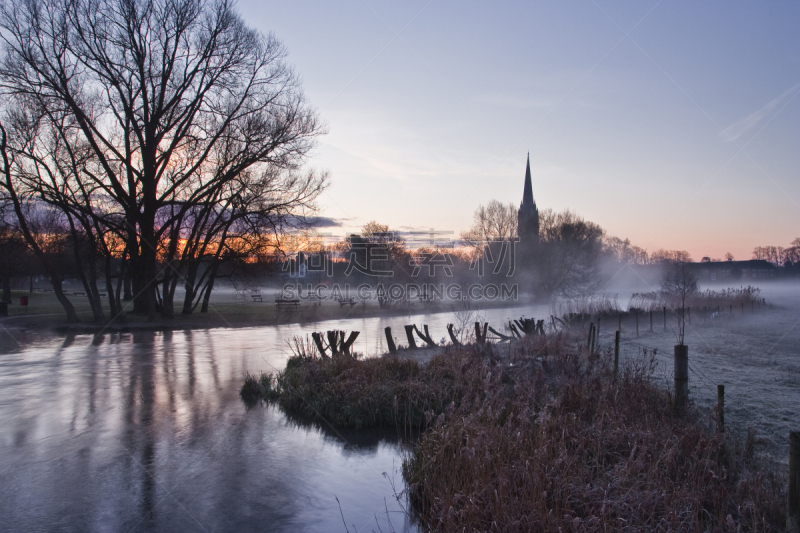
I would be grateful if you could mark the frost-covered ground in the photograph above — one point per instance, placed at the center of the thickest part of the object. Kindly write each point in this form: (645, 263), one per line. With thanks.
(756, 355)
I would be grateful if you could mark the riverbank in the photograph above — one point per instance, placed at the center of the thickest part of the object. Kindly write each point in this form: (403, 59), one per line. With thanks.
(225, 311)
(539, 435)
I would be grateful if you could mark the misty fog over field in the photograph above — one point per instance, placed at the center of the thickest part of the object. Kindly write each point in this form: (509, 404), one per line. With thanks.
(755, 355)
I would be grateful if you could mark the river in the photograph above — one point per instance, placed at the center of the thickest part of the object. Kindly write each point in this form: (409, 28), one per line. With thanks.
(146, 432)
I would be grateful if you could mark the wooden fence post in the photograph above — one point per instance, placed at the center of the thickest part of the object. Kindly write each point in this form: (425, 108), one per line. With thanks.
(389, 340)
(333, 341)
(480, 334)
(616, 354)
(681, 370)
(320, 345)
(589, 340)
(452, 334)
(345, 345)
(793, 518)
(721, 408)
(410, 334)
(426, 338)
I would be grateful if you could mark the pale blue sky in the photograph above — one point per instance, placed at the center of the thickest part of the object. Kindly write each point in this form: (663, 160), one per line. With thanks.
(683, 134)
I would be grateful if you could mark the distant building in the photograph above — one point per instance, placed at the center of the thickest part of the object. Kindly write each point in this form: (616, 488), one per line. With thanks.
(528, 217)
(733, 270)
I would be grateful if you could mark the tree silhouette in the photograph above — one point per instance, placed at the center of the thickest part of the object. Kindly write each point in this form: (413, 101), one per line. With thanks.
(175, 103)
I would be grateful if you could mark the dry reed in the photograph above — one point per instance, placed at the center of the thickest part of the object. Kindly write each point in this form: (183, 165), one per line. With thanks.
(538, 435)
(556, 443)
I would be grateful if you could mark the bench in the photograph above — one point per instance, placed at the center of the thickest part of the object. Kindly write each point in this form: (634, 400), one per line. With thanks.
(78, 293)
(257, 297)
(280, 302)
(346, 301)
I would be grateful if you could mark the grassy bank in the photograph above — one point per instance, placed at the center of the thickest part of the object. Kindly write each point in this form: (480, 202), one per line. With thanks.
(387, 391)
(226, 310)
(537, 436)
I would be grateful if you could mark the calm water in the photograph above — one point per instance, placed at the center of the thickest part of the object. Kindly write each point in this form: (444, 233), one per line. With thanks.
(146, 432)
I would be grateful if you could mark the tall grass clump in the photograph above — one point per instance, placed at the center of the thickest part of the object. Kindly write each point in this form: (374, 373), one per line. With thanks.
(710, 299)
(587, 306)
(385, 391)
(556, 443)
(255, 388)
(394, 392)
(725, 297)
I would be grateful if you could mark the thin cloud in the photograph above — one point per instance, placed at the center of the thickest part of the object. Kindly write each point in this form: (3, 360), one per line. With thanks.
(737, 129)
(326, 222)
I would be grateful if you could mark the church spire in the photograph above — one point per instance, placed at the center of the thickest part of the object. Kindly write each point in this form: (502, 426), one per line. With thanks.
(528, 215)
(527, 193)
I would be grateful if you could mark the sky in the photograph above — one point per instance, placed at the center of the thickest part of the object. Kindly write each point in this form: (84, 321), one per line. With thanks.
(673, 124)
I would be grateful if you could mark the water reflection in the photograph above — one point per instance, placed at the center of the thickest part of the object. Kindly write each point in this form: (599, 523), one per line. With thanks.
(145, 431)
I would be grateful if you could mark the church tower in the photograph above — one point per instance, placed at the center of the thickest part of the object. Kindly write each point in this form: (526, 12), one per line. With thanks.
(528, 216)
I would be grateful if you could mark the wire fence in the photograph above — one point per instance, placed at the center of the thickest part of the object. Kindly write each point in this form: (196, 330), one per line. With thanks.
(742, 415)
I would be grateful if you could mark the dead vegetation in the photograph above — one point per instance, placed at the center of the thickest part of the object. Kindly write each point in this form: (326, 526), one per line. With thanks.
(593, 305)
(708, 299)
(538, 436)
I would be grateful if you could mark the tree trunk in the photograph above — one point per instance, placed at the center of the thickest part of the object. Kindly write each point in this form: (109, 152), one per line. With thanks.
(172, 271)
(72, 316)
(121, 280)
(88, 281)
(90, 284)
(191, 289)
(167, 305)
(29, 237)
(112, 302)
(209, 288)
(127, 285)
(134, 276)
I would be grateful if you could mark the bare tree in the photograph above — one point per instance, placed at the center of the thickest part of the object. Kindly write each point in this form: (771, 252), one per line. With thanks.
(567, 260)
(15, 258)
(773, 254)
(380, 254)
(249, 216)
(679, 282)
(661, 256)
(176, 99)
(792, 253)
(493, 222)
(45, 159)
(40, 226)
(624, 252)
